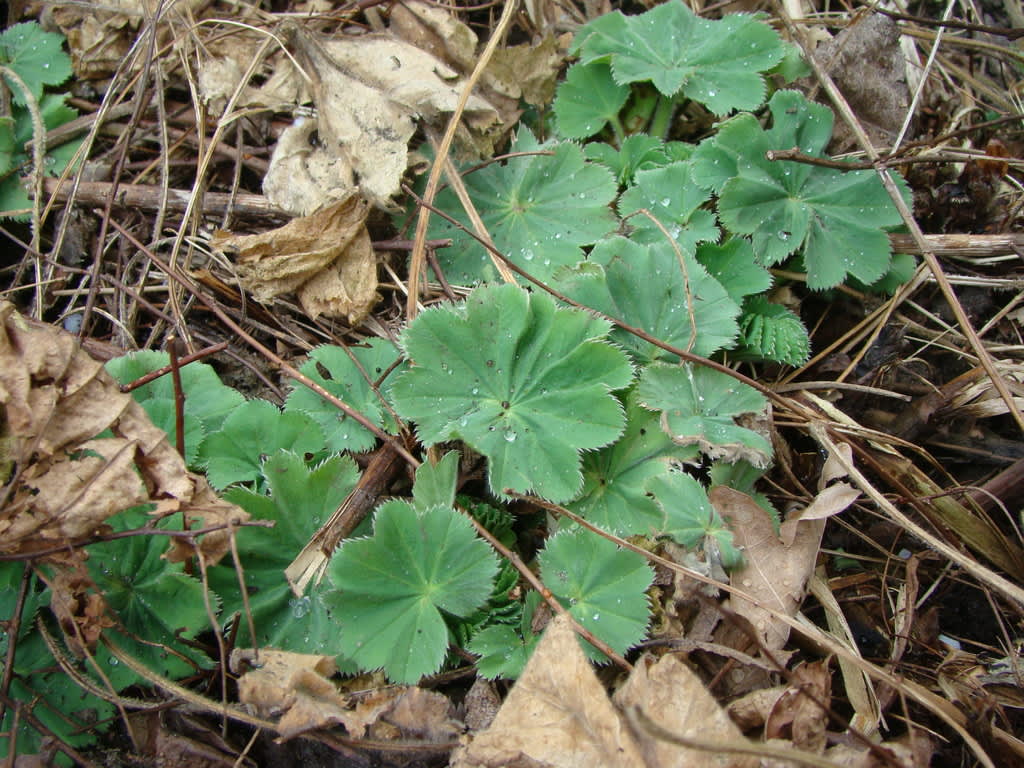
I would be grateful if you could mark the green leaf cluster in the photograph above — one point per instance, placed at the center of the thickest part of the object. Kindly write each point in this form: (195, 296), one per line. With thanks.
(37, 58)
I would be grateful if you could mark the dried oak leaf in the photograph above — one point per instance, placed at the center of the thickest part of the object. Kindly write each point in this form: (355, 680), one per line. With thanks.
(326, 258)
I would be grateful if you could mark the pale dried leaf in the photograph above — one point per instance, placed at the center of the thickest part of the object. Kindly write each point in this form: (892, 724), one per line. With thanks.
(293, 685)
(773, 574)
(326, 257)
(423, 715)
(673, 697)
(830, 501)
(435, 30)
(751, 710)
(369, 91)
(557, 714)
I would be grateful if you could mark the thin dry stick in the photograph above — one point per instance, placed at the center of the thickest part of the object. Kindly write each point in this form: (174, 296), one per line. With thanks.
(908, 218)
(976, 569)
(419, 240)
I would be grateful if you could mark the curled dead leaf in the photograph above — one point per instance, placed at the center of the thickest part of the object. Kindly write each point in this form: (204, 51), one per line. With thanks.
(326, 257)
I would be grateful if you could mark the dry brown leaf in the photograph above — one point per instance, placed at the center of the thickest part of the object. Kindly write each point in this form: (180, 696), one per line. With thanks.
(799, 715)
(369, 91)
(773, 574)
(673, 697)
(831, 501)
(293, 685)
(326, 258)
(423, 715)
(53, 399)
(526, 71)
(751, 710)
(557, 714)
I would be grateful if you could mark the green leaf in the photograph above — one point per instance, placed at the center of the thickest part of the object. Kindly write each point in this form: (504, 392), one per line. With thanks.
(435, 483)
(162, 413)
(333, 369)
(601, 585)
(647, 287)
(638, 152)
(614, 495)
(206, 397)
(301, 500)
(718, 63)
(502, 650)
(232, 455)
(670, 195)
(521, 381)
(539, 210)
(836, 217)
(699, 405)
(734, 265)
(771, 332)
(390, 589)
(154, 599)
(36, 56)
(689, 517)
(587, 100)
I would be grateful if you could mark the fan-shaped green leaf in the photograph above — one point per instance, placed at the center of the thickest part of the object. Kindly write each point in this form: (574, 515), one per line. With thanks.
(587, 100)
(601, 585)
(435, 483)
(718, 63)
(647, 287)
(615, 478)
(539, 210)
(390, 589)
(836, 217)
(254, 430)
(521, 381)
(332, 368)
(689, 518)
(36, 56)
(639, 152)
(670, 195)
(300, 501)
(154, 599)
(698, 406)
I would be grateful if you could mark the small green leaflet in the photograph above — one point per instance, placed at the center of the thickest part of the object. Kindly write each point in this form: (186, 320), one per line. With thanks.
(734, 265)
(390, 590)
(503, 651)
(698, 406)
(206, 397)
(333, 369)
(837, 217)
(539, 209)
(770, 331)
(587, 100)
(300, 501)
(646, 287)
(523, 382)
(689, 518)
(718, 63)
(37, 57)
(639, 152)
(614, 496)
(253, 430)
(435, 483)
(670, 195)
(154, 599)
(602, 586)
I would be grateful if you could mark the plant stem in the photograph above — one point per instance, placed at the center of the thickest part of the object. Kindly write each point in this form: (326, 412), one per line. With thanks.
(662, 119)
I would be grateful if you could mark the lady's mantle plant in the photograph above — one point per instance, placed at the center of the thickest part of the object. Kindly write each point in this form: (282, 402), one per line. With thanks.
(672, 238)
